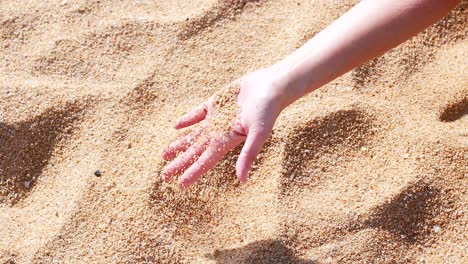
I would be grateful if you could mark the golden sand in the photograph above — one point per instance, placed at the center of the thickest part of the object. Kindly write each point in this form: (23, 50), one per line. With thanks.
(371, 168)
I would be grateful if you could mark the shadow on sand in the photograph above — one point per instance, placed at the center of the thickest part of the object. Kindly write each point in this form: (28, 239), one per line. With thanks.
(262, 251)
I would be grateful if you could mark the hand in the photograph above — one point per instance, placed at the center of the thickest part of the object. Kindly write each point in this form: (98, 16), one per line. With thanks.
(243, 111)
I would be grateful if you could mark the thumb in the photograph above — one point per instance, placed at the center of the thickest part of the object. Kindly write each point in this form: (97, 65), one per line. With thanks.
(253, 144)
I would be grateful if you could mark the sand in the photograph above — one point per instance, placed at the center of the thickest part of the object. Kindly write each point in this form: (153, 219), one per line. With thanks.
(371, 168)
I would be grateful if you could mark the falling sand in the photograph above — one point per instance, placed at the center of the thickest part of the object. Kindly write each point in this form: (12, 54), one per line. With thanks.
(371, 168)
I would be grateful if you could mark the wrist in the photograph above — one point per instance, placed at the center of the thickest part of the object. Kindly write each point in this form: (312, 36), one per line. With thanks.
(284, 88)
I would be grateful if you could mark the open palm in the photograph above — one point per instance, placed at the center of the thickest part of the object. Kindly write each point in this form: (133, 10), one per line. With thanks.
(199, 151)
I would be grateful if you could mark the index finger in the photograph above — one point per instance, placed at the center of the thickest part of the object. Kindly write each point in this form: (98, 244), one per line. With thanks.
(193, 117)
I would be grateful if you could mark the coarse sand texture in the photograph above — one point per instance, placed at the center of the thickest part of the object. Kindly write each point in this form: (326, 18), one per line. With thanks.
(371, 168)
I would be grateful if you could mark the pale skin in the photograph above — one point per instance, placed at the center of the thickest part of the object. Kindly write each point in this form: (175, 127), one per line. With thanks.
(368, 30)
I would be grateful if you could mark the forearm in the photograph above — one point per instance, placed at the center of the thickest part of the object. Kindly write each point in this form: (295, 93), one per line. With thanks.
(366, 31)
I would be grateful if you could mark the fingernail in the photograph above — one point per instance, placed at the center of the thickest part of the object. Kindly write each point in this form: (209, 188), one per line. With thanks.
(184, 184)
(167, 178)
(164, 173)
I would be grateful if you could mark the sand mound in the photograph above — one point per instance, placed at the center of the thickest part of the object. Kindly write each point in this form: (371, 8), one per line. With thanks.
(27, 146)
(370, 168)
(454, 111)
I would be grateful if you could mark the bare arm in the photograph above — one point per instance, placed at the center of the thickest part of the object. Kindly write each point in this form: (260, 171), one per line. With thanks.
(366, 31)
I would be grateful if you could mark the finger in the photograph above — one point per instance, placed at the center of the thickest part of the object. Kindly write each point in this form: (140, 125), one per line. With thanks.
(209, 159)
(193, 117)
(184, 161)
(253, 144)
(181, 144)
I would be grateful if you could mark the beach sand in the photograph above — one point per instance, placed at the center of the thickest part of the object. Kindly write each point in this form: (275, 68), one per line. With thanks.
(371, 168)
